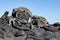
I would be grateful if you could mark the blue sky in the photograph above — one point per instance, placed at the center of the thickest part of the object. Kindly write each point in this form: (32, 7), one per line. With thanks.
(50, 9)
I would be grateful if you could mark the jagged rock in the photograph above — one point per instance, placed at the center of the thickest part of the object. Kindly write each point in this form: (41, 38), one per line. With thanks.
(5, 17)
(39, 33)
(21, 13)
(52, 35)
(50, 28)
(56, 24)
(39, 21)
(20, 26)
(23, 26)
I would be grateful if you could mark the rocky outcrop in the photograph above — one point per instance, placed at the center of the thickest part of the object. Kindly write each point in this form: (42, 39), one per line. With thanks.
(22, 25)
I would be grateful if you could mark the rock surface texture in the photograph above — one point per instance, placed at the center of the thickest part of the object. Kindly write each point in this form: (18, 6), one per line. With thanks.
(22, 25)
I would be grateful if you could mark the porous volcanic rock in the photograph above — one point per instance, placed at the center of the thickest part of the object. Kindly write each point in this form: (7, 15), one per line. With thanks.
(22, 25)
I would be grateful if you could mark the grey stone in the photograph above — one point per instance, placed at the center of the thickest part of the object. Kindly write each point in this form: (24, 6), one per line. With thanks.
(20, 27)
(39, 21)
(21, 13)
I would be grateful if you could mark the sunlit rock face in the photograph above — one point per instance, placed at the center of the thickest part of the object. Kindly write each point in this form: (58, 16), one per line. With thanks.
(21, 13)
(39, 21)
(22, 25)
